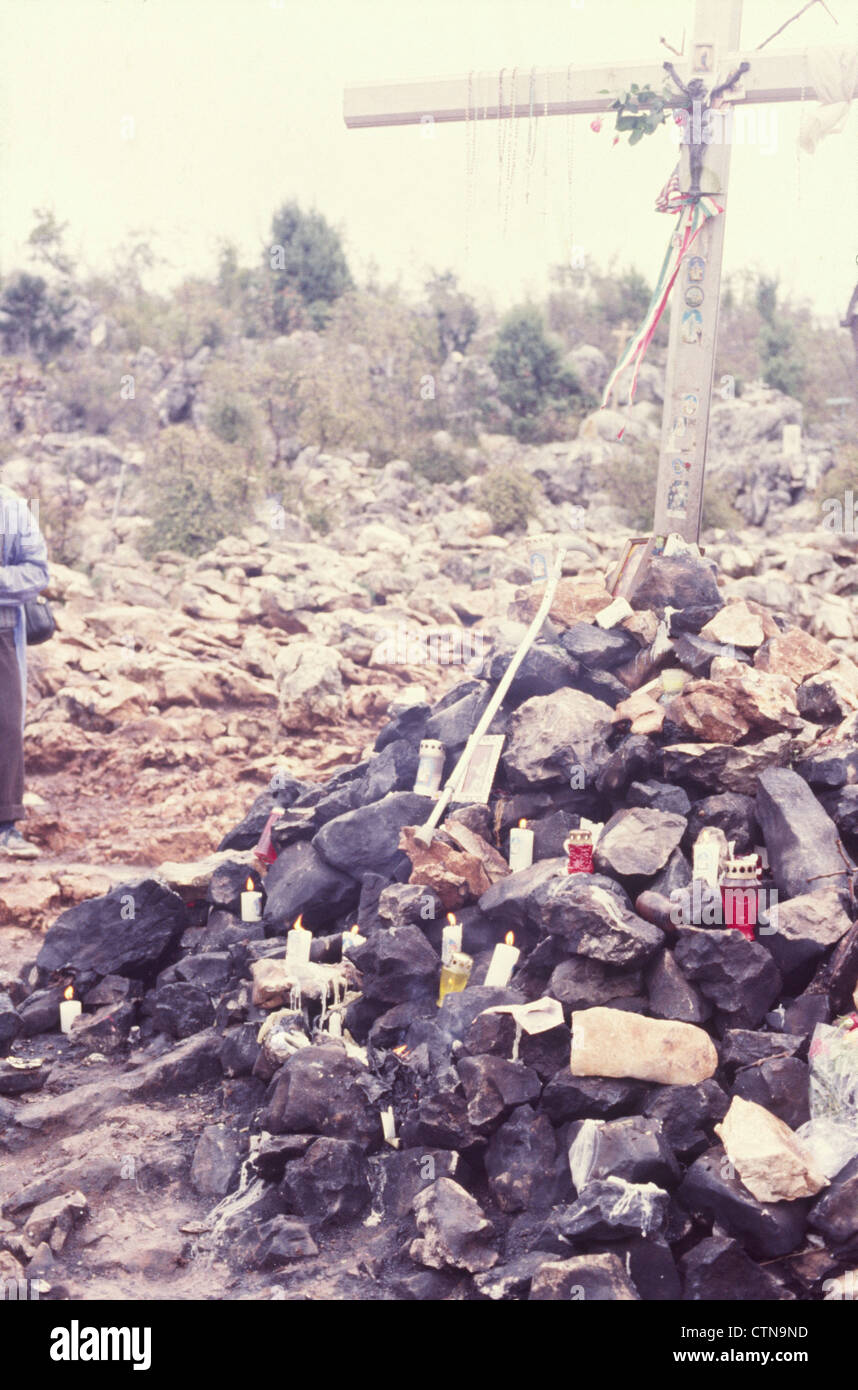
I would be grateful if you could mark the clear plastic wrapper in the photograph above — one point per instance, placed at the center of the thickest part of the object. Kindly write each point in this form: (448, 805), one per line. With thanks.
(831, 1133)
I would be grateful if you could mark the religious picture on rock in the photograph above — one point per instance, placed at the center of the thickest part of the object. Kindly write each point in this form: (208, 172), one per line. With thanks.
(694, 296)
(696, 269)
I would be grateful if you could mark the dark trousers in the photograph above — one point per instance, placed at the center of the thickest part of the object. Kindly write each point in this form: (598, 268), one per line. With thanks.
(11, 738)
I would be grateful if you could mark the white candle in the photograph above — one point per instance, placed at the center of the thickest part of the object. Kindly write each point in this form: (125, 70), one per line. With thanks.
(298, 943)
(503, 963)
(335, 1025)
(251, 903)
(70, 1009)
(388, 1125)
(520, 847)
(451, 939)
(352, 939)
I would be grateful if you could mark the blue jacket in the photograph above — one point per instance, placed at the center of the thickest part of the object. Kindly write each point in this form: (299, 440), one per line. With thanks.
(23, 566)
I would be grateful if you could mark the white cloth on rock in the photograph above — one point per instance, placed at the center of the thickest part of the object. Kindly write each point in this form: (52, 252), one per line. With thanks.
(834, 76)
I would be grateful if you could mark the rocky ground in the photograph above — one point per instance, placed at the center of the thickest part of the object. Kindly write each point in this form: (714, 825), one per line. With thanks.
(206, 1131)
(172, 693)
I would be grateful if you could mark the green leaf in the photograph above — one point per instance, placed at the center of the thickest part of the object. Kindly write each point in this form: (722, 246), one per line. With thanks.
(636, 135)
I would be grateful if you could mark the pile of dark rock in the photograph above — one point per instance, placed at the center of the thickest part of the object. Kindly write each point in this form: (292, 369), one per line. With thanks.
(576, 1157)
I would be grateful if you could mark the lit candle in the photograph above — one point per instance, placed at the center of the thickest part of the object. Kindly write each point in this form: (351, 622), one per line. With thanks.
(70, 1009)
(451, 939)
(335, 1025)
(251, 903)
(520, 847)
(352, 939)
(298, 943)
(503, 963)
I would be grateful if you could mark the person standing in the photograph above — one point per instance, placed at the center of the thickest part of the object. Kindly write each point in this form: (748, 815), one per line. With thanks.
(23, 575)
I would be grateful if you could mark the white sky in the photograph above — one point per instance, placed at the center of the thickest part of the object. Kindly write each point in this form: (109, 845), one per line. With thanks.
(237, 106)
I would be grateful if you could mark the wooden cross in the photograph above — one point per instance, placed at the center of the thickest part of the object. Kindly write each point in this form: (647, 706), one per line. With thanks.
(622, 335)
(715, 54)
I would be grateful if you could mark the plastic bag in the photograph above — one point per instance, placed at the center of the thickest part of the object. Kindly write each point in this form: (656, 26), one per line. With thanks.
(831, 1133)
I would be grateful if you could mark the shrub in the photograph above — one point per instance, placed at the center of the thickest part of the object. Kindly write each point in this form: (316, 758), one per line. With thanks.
(439, 464)
(509, 496)
(195, 491)
(531, 377)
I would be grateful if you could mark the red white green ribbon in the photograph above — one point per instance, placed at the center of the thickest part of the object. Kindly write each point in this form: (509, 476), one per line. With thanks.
(693, 216)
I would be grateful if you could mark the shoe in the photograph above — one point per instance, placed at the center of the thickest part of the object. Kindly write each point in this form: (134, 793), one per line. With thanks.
(14, 846)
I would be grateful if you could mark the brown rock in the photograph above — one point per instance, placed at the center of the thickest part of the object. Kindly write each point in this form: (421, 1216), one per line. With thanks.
(455, 876)
(576, 601)
(795, 654)
(710, 712)
(611, 1042)
(645, 715)
(736, 625)
(771, 1161)
(714, 764)
(493, 862)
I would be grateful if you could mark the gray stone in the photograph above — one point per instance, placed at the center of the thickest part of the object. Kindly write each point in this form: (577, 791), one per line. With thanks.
(126, 932)
(671, 995)
(301, 882)
(520, 1162)
(550, 735)
(454, 1232)
(800, 838)
(638, 842)
(215, 1162)
(321, 1090)
(737, 975)
(594, 922)
(589, 1278)
(329, 1183)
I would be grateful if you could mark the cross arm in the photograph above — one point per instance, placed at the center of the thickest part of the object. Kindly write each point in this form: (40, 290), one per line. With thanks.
(572, 91)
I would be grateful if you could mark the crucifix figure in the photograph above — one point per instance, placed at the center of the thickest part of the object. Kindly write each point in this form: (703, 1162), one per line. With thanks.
(698, 108)
(742, 79)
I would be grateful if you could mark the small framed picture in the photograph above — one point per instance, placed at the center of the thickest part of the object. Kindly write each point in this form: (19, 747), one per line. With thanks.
(702, 57)
(476, 785)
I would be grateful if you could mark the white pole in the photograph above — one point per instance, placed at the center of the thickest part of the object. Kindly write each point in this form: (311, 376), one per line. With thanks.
(426, 831)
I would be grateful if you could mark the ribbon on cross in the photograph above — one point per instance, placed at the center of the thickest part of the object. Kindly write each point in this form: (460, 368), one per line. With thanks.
(693, 216)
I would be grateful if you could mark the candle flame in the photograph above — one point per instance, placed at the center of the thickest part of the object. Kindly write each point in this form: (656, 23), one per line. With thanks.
(401, 1051)
(298, 924)
(522, 825)
(355, 930)
(509, 939)
(69, 992)
(451, 918)
(248, 887)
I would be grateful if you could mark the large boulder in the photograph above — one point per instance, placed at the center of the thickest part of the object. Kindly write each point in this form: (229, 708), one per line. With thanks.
(550, 735)
(301, 882)
(321, 1090)
(801, 840)
(638, 842)
(367, 838)
(126, 932)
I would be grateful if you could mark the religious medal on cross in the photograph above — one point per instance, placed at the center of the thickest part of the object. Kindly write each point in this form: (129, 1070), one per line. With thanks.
(715, 74)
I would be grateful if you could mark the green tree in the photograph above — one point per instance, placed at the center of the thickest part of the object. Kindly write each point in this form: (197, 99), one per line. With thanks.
(32, 317)
(530, 372)
(783, 367)
(306, 259)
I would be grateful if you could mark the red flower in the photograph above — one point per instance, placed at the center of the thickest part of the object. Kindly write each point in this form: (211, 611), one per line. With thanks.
(616, 140)
(596, 125)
